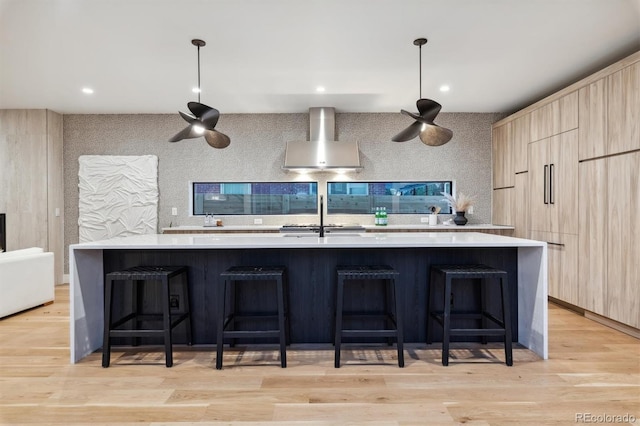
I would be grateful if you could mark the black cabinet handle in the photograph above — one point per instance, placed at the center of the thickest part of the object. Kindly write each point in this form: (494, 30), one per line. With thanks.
(551, 198)
(555, 244)
(546, 167)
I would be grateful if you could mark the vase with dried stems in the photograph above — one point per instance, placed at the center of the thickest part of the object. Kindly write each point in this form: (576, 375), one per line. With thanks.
(460, 205)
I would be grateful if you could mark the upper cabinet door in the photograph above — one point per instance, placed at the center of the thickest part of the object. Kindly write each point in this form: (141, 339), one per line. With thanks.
(593, 120)
(502, 153)
(521, 139)
(556, 117)
(545, 121)
(623, 110)
(568, 112)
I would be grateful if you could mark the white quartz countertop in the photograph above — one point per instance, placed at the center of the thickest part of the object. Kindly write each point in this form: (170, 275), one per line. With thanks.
(342, 240)
(369, 228)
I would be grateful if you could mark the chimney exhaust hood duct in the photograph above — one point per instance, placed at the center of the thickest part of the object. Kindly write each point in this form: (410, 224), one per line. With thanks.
(322, 151)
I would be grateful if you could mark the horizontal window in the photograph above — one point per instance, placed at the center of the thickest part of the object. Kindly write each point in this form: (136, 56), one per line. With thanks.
(254, 198)
(395, 197)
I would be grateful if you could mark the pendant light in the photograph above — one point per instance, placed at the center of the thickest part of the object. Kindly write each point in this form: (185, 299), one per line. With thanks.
(203, 119)
(429, 132)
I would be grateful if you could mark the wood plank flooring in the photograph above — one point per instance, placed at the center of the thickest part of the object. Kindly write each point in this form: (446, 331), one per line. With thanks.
(592, 371)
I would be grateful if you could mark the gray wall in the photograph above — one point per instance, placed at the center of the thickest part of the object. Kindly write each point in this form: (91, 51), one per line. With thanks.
(256, 153)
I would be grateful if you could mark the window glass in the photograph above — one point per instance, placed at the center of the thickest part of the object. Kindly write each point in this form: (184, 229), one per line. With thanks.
(254, 198)
(396, 197)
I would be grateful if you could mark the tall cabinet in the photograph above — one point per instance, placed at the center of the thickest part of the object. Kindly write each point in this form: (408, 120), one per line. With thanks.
(575, 165)
(31, 173)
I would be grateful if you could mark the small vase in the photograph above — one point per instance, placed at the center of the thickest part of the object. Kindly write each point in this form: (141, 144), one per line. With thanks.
(460, 220)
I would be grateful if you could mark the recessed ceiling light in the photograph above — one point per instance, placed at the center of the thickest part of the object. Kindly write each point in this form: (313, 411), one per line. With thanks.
(196, 90)
(87, 90)
(444, 88)
(320, 89)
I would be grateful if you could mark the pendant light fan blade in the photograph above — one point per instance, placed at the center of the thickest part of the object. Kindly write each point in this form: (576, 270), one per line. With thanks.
(428, 109)
(216, 139)
(409, 133)
(207, 115)
(188, 118)
(410, 114)
(434, 135)
(187, 133)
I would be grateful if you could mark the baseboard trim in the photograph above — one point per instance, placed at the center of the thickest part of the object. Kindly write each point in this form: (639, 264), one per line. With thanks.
(624, 328)
(608, 322)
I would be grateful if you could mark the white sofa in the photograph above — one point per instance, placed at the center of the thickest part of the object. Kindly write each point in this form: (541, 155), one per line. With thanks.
(26, 280)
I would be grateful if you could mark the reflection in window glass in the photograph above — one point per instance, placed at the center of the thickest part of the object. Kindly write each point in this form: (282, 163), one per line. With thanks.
(396, 197)
(247, 198)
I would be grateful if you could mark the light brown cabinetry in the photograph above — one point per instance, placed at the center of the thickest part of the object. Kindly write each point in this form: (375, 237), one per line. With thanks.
(503, 203)
(562, 259)
(609, 113)
(521, 206)
(623, 110)
(502, 155)
(555, 117)
(608, 244)
(511, 206)
(31, 191)
(592, 235)
(521, 139)
(582, 183)
(553, 183)
(623, 246)
(593, 120)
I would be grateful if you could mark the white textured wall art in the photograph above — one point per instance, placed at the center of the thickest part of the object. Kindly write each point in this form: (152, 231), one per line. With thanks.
(118, 196)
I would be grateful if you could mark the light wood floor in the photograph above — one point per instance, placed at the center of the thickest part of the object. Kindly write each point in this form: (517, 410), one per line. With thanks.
(592, 370)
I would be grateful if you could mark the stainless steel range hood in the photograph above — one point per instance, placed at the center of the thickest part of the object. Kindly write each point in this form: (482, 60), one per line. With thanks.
(322, 151)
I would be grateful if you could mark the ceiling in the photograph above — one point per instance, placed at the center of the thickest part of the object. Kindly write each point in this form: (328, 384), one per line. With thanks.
(268, 56)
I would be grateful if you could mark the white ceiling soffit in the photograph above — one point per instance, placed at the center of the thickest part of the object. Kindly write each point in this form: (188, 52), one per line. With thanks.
(269, 56)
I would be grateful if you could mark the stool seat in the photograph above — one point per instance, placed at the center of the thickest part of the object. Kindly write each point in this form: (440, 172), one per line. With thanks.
(230, 278)
(392, 314)
(139, 275)
(253, 272)
(446, 275)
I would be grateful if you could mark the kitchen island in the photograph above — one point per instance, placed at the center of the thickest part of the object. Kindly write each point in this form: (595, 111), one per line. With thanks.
(311, 262)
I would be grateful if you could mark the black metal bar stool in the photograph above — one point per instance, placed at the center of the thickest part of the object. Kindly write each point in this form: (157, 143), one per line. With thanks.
(446, 275)
(230, 317)
(141, 276)
(391, 315)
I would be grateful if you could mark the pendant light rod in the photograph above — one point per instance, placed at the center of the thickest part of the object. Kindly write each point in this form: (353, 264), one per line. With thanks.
(420, 42)
(199, 43)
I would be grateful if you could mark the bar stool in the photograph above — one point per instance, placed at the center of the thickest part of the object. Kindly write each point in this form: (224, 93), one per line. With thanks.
(392, 313)
(447, 275)
(139, 275)
(231, 278)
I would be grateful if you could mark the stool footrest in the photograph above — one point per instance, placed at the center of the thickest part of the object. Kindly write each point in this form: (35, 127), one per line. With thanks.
(136, 333)
(369, 333)
(439, 317)
(477, 332)
(238, 334)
